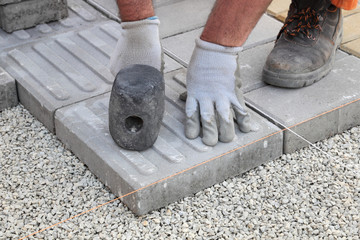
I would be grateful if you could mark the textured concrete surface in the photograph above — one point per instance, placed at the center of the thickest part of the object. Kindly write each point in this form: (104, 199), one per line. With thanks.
(81, 15)
(62, 64)
(182, 16)
(176, 16)
(182, 45)
(83, 127)
(62, 70)
(16, 15)
(291, 107)
(8, 93)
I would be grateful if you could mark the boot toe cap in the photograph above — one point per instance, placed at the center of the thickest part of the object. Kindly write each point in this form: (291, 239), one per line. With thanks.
(289, 61)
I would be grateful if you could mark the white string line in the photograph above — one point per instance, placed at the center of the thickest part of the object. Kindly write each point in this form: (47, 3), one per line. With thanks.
(287, 128)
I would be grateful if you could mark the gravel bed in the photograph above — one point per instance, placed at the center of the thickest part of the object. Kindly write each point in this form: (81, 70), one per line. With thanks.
(305, 195)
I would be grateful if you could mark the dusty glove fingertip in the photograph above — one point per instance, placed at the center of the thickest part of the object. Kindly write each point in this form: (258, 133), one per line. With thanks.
(246, 124)
(210, 140)
(192, 126)
(210, 131)
(226, 129)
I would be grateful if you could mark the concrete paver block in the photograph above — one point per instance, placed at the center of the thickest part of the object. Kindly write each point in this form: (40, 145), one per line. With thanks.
(83, 127)
(291, 107)
(17, 15)
(182, 45)
(8, 93)
(182, 16)
(176, 16)
(352, 47)
(64, 69)
(110, 8)
(277, 7)
(251, 63)
(80, 15)
(351, 28)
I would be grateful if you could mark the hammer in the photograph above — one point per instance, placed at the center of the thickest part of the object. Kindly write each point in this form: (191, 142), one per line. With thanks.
(136, 107)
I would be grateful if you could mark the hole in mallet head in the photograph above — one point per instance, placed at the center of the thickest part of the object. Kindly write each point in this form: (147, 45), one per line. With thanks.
(133, 124)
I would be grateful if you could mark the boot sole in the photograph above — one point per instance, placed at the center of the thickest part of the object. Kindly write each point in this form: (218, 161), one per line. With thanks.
(299, 80)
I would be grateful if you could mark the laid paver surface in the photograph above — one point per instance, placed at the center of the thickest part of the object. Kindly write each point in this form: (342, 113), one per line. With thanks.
(83, 127)
(352, 47)
(60, 70)
(54, 64)
(291, 107)
(176, 16)
(182, 45)
(60, 67)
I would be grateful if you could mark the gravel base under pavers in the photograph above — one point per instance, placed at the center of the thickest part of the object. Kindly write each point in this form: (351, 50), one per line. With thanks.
(305, 195)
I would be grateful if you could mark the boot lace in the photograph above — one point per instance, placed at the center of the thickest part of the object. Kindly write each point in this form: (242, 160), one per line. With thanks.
(307, 19)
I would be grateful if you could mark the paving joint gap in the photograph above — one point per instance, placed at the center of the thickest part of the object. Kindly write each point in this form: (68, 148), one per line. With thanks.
(79, 101)
(176, 34)
(103, 10)
(282, 126)
(175, 57)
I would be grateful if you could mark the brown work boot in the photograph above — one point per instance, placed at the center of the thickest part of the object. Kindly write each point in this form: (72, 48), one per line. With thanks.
(305, 48)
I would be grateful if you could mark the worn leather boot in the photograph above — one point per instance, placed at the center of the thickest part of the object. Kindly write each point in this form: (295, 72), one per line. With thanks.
(305, 48)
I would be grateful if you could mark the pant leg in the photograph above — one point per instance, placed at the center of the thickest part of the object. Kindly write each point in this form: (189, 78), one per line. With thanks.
(345, 4)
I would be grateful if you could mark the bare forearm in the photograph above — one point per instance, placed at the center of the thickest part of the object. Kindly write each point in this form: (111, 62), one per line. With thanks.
(231, 21)
(133, 10)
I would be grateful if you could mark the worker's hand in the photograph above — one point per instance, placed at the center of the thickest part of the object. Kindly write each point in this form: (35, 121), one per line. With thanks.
(212, 94)
(138, 44)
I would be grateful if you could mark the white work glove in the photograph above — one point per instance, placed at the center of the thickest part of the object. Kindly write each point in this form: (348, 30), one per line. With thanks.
(212, 94)
(138, 44)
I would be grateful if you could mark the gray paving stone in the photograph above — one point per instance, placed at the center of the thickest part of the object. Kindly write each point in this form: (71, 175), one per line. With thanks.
(80, 15)
(170, 64)
(304, 109)
(340, 54)
(110, 8)
(17, 15)
(65, 68)
(61, 70)
(182, 45)
(176, 16)
(8, 94)
(251, 63)
(182, 16)
(83, 127)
